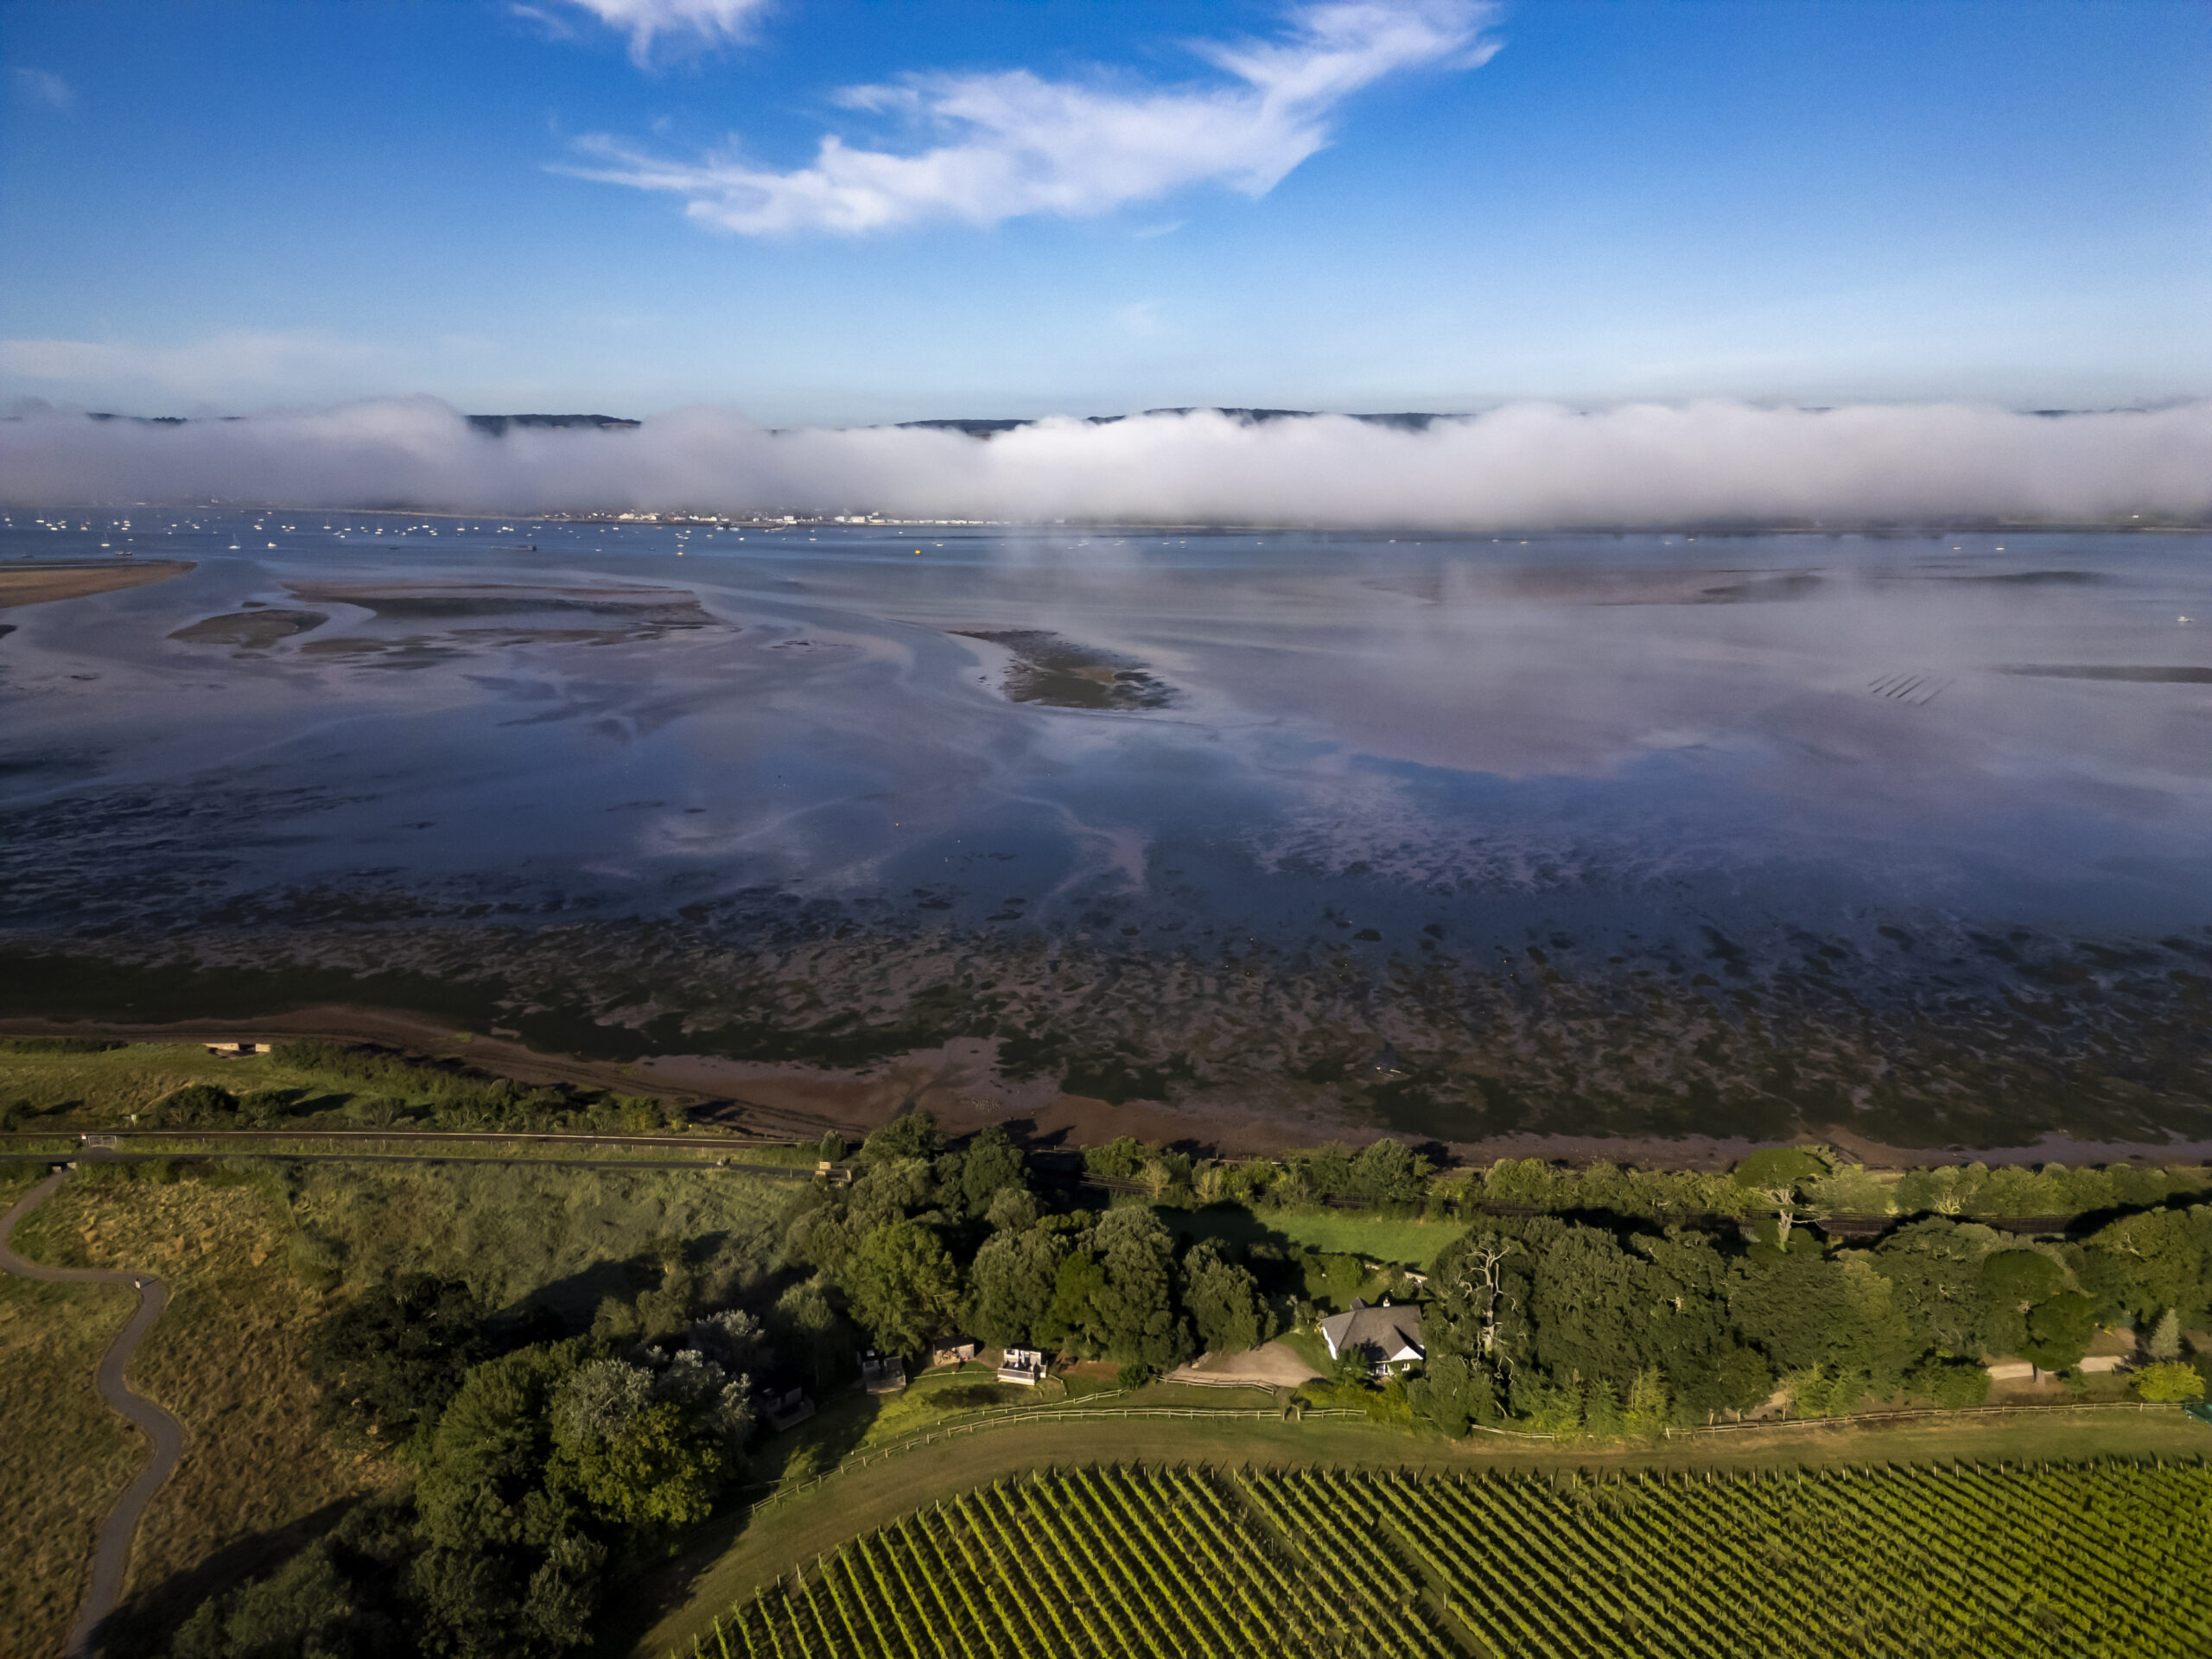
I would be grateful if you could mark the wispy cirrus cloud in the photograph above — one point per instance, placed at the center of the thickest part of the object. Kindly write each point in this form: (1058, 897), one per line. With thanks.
(651, 22)
(42, 89)
(1013, 144)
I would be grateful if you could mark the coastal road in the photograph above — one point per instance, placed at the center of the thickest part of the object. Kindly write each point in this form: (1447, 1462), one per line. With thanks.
(112, 1553)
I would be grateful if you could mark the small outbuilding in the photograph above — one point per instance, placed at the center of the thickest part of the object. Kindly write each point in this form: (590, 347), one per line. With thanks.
(957, 1351)
(1027, 1366)
(883, 1373)
(781, 1404)
(1390, 1336)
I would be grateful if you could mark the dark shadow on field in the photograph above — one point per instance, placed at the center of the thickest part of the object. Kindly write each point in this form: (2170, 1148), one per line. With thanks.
(638, 1601)
(145, 1623)
(575, 1299)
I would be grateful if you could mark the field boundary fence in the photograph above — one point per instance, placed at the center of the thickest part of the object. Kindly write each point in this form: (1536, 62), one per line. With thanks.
(1085, 1412)
(1033, 1414)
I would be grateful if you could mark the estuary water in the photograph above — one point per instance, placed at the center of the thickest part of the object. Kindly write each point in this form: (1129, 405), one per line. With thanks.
(1360, 797)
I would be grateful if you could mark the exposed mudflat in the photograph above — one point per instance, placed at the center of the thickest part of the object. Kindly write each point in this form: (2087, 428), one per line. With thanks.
(1249, 839)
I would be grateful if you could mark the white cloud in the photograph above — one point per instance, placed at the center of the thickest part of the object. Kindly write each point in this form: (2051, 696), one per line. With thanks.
(240, 361)
(43, 89)
(1525, 466)
(1014, 144)
(706, 23)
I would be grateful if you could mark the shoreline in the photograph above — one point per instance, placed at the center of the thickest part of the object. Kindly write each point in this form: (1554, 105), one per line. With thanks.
(771, 1100)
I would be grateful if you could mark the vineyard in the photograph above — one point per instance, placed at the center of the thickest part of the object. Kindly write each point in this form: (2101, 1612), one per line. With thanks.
(2110, 1559)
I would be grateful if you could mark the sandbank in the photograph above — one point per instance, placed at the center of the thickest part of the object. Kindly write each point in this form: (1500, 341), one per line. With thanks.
(35, 583)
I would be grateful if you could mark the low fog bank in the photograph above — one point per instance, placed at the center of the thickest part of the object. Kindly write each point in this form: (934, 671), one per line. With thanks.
(1522, 466)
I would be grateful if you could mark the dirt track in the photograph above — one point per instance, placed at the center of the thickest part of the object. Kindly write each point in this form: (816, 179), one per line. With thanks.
(111, 1555)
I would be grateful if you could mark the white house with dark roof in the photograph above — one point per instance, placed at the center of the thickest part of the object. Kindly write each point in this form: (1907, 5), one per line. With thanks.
(1391, 1335)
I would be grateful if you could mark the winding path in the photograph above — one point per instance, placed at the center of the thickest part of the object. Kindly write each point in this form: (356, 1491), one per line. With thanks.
(112, 1554)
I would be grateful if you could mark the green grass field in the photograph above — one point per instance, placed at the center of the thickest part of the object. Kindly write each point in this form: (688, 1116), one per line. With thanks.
(2105, 1559)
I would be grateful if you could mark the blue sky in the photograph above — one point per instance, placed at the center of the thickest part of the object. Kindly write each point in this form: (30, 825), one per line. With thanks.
(1404, 204)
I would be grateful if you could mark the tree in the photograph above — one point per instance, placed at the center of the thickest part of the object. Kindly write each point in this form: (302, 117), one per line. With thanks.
(2165, 1340)
(2059, 1330)
(1773, 1167)
(912, 1134)
(1011, 1284)
(488, 1455)
(1119, 1160)
(1452, 1392)
(303, 1611)
(649, 1470)
(1795, 1308)
(1073, 1322)
(2143, 1263)
(1590, 1305)
(1223, 1301)
(2169, 1382)
(1647, 1414)
(400, 1351)
(891, 1187)
(804, 1325)
(904, 1288)
(601, 1399)
(1601, 1410)
(1136, 1307)
(1013, 1210)
(990, 1164)
(1935, 1267)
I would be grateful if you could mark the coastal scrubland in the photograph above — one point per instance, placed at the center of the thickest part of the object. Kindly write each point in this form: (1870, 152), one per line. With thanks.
(64, 1456)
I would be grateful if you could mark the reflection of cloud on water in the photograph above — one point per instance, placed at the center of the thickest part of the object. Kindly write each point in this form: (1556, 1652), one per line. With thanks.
(1365, 822)
(1102, 851)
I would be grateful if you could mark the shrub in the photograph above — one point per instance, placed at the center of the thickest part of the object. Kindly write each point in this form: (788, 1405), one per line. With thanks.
(2169, 1382)
(196, 1103)
(1950, 1385)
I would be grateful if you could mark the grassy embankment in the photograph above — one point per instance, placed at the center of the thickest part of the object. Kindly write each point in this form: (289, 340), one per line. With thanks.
(255, 1257)
(55, 1094)
(228, 1359)
(727, 1559)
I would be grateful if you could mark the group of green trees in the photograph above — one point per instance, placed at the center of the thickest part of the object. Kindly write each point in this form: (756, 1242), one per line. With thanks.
(540, 1463)
(929, 1240)
(1601, 1324)
(1386, 1173)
